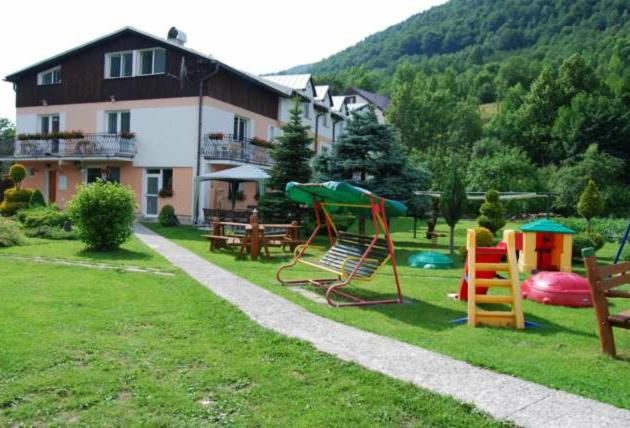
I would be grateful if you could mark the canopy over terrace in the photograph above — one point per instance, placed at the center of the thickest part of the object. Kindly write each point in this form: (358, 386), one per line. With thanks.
(240, 174)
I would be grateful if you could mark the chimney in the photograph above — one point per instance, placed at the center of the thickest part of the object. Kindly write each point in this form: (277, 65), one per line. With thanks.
(176, 36)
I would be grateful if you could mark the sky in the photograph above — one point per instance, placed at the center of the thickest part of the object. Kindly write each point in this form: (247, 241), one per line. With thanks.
(256, 36)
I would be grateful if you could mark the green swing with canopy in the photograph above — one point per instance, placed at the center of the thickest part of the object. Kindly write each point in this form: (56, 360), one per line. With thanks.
(350, 256)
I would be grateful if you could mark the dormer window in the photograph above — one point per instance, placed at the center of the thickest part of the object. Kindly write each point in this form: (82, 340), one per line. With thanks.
(152, 61)
(49, 77)
(118, 64)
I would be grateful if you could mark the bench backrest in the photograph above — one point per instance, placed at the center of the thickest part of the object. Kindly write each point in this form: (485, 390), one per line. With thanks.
(355, 246)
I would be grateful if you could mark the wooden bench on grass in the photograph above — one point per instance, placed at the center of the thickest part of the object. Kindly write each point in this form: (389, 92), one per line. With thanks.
(603, 280)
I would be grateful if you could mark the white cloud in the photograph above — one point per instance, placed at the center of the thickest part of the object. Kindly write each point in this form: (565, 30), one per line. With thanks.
(256, 36)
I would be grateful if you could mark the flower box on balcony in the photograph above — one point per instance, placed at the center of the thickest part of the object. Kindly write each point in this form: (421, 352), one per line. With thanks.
(216, 136)
(127, 135)
(260, 142)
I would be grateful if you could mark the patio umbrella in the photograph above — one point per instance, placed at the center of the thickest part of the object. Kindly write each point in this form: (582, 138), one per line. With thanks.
(240, 174)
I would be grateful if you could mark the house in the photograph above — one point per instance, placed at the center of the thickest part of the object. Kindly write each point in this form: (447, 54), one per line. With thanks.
(359, 99)
(151, 113)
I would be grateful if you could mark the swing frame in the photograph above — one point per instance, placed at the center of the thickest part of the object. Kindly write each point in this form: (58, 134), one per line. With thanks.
(344, 274)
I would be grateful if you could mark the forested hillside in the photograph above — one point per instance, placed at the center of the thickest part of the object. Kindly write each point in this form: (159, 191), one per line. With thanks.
(557, 75)
(476, 36)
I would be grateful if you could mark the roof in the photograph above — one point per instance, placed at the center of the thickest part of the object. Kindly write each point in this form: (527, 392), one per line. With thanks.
(321, 91)
(258, 80)
(338, 102)
(293, 81)
(356, 106)
(546, 225)
(340, 192)
(380, 101)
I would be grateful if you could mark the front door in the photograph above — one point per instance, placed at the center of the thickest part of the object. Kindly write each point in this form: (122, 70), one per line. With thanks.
(544, 248)
(52, 187)
(152, 187)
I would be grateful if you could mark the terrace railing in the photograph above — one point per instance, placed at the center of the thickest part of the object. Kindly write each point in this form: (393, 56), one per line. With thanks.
(89, 145)
(227, 147)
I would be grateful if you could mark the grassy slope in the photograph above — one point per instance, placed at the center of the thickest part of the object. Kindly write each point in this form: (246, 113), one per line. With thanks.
(563, 353)
(112, 348)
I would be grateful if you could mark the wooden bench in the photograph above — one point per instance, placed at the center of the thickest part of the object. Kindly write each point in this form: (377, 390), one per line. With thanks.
(603, 280)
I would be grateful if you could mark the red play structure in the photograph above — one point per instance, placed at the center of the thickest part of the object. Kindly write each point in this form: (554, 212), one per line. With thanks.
(486, 255)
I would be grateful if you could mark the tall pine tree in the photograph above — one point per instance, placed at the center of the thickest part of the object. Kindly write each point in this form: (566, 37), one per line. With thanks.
(369, 155)
(291, 156)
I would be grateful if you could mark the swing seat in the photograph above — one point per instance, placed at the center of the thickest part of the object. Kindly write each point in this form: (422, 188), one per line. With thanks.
(344, 256)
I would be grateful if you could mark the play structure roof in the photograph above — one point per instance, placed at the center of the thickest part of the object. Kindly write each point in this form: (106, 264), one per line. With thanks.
(546, 225)
(338, 193)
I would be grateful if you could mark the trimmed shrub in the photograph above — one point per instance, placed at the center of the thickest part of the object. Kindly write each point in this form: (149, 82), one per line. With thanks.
(10, 233)
(167, 216)
(42, 216)
(48, 232)
(585, 240)
(37, 199)
(485, 238)
(17, 173)
(591, 203)
(5, 184)
(492, 212)
(15, 200)
(104, 214)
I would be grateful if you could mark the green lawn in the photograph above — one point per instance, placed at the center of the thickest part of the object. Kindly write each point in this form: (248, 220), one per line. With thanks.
(106, 347)
(563, 353)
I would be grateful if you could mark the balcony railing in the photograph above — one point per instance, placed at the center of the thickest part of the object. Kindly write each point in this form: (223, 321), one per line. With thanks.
(90, 145)
(227, 147)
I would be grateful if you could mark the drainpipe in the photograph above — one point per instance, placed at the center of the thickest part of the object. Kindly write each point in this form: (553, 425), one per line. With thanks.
(199, 136)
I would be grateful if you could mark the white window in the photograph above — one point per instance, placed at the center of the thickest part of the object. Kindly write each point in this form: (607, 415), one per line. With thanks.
(49, 123)
(307, 110)
(151, 61)
(118, 64)
(49, 77)
(272, 133)
(241, 128)
(118, 122)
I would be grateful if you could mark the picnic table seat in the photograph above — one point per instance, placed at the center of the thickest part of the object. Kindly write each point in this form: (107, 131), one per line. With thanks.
(603, 280)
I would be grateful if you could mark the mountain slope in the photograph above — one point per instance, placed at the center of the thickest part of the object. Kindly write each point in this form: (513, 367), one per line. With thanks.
(464, 32)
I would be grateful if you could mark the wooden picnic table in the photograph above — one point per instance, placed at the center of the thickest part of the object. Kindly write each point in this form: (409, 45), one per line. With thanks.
(253, 236)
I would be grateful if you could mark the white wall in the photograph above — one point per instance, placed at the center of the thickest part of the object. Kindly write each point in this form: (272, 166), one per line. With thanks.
(165, 136)
(26, 124)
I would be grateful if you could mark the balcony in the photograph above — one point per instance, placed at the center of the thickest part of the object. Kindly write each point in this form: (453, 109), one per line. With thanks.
(100, 146)
(226, 147)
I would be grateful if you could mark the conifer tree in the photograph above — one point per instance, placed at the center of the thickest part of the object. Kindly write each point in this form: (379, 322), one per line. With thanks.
(369, 155)
(453, 201)
(291, 156)
(591, 203)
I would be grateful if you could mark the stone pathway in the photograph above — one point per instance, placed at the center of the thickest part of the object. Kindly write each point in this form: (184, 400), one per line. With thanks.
(502, 396)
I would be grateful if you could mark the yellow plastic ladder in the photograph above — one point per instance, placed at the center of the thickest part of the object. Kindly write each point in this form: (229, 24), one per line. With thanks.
(501, 318)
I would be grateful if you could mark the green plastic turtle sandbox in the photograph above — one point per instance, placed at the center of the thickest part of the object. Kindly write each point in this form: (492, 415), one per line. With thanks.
(430, 260)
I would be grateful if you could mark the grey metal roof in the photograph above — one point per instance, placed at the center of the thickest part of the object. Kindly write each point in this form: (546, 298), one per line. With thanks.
(380, 101)
(293, 81)
(338, 102)
(321, 91)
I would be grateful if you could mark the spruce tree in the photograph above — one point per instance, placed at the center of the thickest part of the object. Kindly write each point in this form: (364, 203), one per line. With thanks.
(368, 155)
(291, 156)
(453, 201)
(591, 203)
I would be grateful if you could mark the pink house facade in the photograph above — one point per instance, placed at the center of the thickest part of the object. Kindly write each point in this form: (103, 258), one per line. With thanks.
(152, 114)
